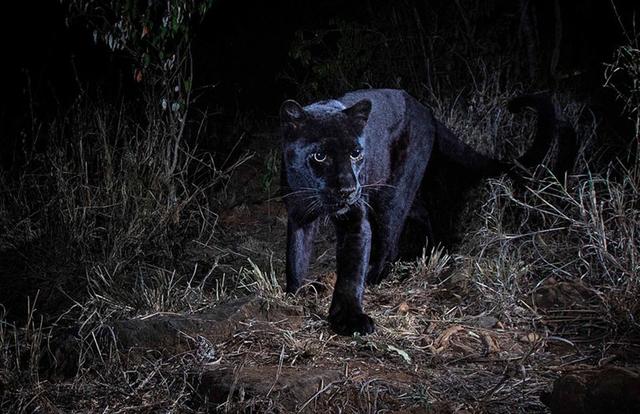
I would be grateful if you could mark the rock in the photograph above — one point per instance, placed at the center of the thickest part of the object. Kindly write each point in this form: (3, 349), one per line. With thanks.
(293, 386)
(403, 308)
(609, 390)
(563, 294)
(487, 322)
(170, 334)
(169, 331)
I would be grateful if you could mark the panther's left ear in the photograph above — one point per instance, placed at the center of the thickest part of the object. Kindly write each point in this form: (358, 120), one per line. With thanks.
(292, 114)
(359, 112)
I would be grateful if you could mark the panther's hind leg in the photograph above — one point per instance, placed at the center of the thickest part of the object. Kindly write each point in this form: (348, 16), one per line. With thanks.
(388, 219)
(409, 154)
(417, 232)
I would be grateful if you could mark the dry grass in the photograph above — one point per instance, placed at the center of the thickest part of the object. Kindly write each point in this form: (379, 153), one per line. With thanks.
(102, 224)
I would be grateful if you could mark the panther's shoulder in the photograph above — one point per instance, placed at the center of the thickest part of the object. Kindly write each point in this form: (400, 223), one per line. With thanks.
(388, 106)
(396, 97)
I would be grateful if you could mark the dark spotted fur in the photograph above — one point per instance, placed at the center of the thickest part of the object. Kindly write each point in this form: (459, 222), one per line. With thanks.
(360, 160)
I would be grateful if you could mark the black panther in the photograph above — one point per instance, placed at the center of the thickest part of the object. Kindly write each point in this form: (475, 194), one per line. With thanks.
(361, 160)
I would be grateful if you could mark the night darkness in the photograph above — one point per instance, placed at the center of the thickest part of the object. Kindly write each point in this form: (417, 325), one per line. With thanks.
(243, 48)
(143, 227)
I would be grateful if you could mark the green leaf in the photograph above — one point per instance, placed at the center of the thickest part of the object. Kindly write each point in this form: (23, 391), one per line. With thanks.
(187, 85)
(400, 352)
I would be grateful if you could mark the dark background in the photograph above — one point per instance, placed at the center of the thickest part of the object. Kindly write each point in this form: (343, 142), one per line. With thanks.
(242, 53)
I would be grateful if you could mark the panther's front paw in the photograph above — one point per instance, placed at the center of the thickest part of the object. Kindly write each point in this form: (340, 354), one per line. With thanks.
(348, 323)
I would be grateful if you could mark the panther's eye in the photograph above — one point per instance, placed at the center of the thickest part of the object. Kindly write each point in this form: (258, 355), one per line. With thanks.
(356, 154)
(319, 156)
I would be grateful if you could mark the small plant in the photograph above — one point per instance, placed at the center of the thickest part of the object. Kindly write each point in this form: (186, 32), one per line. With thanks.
(155, 35)
(623, 76)
(254, 279)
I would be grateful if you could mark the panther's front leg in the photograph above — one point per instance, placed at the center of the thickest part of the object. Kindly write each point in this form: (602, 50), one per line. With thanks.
(299, 250)
(353, 233)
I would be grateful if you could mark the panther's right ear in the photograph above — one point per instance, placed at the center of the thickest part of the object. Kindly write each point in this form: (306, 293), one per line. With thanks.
(292, 114)
(359, 112)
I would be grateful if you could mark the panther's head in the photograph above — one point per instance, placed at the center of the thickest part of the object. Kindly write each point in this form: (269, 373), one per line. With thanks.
(324, 151)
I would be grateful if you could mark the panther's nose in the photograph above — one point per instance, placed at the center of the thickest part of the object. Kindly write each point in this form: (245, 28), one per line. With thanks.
(346, 193)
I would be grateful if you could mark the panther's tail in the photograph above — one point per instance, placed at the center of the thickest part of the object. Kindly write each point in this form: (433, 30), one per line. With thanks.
(549, 129)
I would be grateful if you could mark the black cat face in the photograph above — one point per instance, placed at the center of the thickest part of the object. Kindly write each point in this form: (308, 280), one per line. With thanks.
(324, 153)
